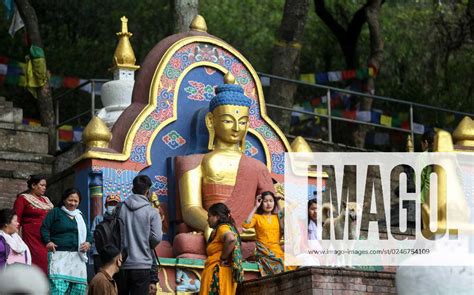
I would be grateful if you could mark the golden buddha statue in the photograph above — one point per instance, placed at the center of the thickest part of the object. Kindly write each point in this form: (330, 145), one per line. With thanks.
(225, 174)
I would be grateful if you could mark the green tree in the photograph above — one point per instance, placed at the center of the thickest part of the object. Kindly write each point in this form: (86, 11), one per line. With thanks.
(286, 59)
(43, 93)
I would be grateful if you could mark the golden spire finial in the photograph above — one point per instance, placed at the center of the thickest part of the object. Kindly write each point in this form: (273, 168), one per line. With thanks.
(464, 132)
(410, 147)
(198, 24)
(124, 57)
(300, 145)
(124, 20)
(229, 78)
(96, 134)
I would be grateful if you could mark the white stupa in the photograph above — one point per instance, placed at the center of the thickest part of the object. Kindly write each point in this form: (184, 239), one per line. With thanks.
(117, 94)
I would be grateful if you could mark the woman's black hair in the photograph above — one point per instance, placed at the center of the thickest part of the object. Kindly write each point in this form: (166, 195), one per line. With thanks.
(311, 202)
(6, 216)
(67, 193)
(275, 206)
(34, 179)
(223, 213)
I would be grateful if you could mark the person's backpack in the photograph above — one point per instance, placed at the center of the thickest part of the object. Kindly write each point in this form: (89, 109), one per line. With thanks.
(110, 230)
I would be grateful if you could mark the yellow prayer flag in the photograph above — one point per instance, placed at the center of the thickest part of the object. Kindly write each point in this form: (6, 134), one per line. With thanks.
(386, 120)
(371, 72)
(308, 78)
(35, 73)
(321, 111)
(66, 127)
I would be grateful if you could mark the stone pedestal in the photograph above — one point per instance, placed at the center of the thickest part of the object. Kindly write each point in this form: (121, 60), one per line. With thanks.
(435, 279)
(322, 280)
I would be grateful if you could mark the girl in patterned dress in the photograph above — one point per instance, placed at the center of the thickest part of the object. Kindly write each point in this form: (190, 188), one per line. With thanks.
(267, 221)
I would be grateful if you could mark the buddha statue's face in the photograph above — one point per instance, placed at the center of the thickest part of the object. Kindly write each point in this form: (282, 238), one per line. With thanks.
(230, 123)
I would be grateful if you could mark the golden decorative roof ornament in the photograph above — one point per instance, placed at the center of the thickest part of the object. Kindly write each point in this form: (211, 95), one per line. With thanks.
(410, 147)
(96, 134)
(229, 78)
(124, 57)
(443, 142)
(300, 145)
(464, 134)
(198, 24)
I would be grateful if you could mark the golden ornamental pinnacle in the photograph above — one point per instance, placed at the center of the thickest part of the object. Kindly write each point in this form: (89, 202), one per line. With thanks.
(96, 134)
(124, 20)
(410, 147)
(198, 24)
(463, 135)
(124, 57)
(300, 145)
(229, 78)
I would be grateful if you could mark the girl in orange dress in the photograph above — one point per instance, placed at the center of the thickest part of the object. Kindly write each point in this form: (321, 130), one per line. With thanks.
(267, 221)
(31, 208)
(223, 268)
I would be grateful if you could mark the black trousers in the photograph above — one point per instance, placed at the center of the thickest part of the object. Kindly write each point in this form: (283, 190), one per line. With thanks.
(133, 281)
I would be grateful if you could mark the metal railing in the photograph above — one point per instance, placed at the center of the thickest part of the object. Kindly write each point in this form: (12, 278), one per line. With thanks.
(66, 94)
(329, 91)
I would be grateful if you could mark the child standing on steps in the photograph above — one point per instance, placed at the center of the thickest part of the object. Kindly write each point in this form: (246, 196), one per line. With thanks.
(267, 221)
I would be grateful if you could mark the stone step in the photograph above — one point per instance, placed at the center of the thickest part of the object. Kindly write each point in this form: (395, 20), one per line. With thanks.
(5, 104)
(23, 139)
(22, 165)
(11, 115)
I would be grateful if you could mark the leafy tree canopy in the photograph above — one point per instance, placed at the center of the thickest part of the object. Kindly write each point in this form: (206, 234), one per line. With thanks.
(423, 59)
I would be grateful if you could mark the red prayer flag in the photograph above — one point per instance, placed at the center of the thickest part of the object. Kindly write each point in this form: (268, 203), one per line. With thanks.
(71, 82)
(347, 75)
(406, 125)
(349, 115)
(316, 101)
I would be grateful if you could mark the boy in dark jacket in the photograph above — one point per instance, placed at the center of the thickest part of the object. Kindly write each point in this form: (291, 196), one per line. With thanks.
(103, 283)
(142, 233)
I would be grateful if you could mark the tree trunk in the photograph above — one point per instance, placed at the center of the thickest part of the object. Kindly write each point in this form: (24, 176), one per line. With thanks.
(45, 99)
(348, 39)
(374, 60)
(184, 12)
(376, 42)
(286, 58)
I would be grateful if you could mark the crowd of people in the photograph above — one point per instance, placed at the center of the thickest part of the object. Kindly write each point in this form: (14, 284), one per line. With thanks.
(57, 241)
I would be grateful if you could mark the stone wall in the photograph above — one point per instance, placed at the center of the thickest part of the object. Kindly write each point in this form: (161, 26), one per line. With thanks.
(322, 280)
(23, 151)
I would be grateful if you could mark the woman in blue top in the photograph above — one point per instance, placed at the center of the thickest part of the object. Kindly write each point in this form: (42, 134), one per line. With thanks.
(67, 239)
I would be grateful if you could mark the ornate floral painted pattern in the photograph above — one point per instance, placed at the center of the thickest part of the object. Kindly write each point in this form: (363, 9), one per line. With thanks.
(173, 139)
(181, 59)
(199, 91)
(250, 149)
(160, 185)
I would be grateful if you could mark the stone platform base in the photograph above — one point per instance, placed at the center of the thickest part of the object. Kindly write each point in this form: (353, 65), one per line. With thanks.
(322, 280)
